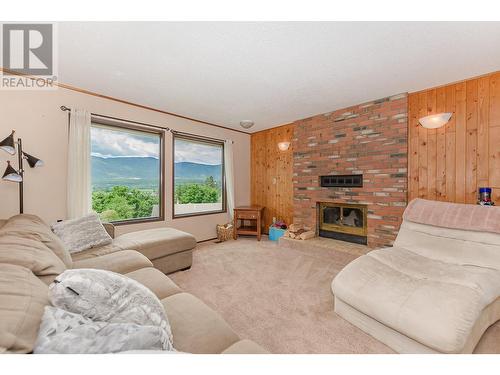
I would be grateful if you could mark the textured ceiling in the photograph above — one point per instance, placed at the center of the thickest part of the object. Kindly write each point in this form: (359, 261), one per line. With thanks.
(271, 73)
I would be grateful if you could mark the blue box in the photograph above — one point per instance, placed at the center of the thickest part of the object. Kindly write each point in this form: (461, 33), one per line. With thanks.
(275, 233)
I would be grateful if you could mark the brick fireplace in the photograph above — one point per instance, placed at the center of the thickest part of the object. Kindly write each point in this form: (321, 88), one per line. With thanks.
(368, 139)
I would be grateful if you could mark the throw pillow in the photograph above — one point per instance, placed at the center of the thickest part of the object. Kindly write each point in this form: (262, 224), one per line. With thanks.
(82, 233)
(63, 332)
(106, 296)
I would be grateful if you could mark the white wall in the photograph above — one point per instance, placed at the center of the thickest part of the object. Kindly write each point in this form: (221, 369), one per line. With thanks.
(43, 127)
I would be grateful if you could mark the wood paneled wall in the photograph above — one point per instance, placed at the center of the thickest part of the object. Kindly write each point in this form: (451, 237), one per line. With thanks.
(272, 170)
(452, 162)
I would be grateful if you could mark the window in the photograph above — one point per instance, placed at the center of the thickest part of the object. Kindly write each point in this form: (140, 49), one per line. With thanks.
(127, 178)
(198, 176)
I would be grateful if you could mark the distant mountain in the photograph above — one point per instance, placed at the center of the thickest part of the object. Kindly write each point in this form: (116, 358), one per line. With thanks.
(143, 172)
(194, 172)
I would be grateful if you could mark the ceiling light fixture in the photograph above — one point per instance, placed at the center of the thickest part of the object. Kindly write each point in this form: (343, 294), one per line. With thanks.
(435, 121)
(246, 124)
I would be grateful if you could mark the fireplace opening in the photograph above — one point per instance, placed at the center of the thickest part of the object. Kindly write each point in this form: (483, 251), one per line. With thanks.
(343, 221)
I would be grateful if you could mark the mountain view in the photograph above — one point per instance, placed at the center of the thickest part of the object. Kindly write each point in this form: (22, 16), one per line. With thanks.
(142, 172)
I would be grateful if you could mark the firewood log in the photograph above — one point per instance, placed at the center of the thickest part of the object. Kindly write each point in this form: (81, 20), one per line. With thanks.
(307, 235)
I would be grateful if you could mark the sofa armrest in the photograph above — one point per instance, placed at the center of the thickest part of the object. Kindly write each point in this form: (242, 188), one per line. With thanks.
(110, 228)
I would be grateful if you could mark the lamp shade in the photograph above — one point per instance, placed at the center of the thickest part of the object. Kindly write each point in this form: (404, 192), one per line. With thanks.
(8, 144)
(33, 161)
(11, 174)
(435, 121)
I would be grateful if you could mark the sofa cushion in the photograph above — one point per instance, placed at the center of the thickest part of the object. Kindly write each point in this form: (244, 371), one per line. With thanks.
(450, 245)
(30, 253)
(155, 280)
(434, 303)
(156, 243)
(469, 217)
(245, 347)
(22, 301)
(197, 328)
(120, 262)
(32, 227)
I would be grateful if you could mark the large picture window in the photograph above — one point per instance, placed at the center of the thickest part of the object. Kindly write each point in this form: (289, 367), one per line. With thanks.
(127, 173)
(198, 176)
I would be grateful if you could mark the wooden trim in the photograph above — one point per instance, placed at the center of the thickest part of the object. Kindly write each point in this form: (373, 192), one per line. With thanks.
(200, 139)
(137, 221)
(453, 83)
(102, 96)
(273, 127)
(161, 134)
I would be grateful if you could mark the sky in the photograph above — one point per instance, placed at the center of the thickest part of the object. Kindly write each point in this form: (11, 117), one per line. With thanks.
(108, 143)
(197, 153)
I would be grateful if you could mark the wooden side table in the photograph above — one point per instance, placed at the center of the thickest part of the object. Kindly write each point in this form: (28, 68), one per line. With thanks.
(252, 214)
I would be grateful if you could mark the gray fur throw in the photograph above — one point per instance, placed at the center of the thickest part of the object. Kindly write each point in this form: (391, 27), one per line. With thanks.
(106, 301)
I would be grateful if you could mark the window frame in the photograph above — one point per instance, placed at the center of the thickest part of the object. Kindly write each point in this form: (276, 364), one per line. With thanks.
(206, 140)
(126, 125)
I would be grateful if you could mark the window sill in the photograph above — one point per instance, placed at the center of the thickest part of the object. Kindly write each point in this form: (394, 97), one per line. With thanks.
(181, 216)
(137, 221)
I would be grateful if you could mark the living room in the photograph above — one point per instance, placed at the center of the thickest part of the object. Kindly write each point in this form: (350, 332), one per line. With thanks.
(316, 187)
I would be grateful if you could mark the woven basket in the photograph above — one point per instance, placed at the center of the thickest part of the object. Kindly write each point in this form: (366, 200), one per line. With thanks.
(224, 232)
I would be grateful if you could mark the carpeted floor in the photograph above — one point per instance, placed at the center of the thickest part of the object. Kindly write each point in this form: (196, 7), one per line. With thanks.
(280, 298)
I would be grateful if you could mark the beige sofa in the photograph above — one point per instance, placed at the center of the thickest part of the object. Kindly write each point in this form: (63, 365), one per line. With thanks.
(437, 290)
(31, 256)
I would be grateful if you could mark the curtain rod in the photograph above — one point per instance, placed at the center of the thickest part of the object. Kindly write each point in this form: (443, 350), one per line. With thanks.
(200, 137)
(67, 109)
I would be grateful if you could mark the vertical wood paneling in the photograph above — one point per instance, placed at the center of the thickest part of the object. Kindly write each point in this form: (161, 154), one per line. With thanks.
(452, 162)
(431, 148)
(272, 185)
(471, 141)
(440, 148)
(483, 94)
(460, 147)
(413, 142)
(422, 148)
(450, 144)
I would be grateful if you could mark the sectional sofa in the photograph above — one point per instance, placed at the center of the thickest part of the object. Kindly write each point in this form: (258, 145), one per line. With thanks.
(31, 256)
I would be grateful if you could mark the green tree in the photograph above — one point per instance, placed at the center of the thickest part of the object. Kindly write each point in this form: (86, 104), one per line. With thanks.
(122, 202)
(210, 181)
(196, 193)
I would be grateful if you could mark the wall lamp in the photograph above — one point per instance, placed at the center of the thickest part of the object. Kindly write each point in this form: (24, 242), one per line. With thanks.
(9, 145)
(284, 146)
(435, 121)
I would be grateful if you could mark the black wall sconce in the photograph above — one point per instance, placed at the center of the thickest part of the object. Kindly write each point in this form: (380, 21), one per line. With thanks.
(11, 146)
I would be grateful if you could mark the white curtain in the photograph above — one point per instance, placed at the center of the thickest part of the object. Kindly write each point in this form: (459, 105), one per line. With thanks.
(229, 170)
(79, 185)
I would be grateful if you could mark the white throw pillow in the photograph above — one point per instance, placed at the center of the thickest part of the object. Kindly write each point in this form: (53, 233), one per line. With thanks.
(63, 332)
(82, 233)
(106, 296)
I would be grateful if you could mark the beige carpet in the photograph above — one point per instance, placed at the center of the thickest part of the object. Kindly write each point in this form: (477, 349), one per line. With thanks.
(280, 298)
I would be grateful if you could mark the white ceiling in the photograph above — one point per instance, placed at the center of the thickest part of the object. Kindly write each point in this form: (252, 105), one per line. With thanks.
(271, 73)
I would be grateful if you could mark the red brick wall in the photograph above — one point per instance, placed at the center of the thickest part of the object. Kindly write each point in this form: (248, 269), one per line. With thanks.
(371, 139)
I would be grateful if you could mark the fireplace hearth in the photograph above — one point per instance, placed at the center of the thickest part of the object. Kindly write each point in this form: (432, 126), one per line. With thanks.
(343, 221)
